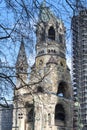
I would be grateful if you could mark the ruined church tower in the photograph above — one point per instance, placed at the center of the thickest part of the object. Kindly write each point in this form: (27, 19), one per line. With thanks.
(45, 103)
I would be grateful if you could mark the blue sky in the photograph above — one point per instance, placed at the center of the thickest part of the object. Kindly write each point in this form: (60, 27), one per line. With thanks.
(60, 8)
(9, 49)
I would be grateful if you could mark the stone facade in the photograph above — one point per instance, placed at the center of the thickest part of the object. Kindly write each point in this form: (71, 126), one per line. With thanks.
(46, 101)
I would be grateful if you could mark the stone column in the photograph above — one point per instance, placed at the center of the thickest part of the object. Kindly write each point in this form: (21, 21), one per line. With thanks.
(38, 109)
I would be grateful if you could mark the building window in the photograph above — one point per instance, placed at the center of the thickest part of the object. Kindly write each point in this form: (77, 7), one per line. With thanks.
(21, 68)
(48, 51)
(61, 63)
(41, 52)
(30, 112)
(51, 33)
(40, 62)
(59, 115)
(30, 115)
(63, 90)
(40, 89)
(20, 115)
(51, 51)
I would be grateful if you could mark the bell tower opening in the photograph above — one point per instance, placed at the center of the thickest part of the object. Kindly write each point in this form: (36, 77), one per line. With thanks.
(30, 112)
(63, 90)
(30, 115)
(59, 115)
(51, 33)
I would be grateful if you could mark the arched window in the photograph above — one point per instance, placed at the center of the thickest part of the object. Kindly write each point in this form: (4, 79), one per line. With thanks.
(59, 115)
(30, 112)
(51, 33)
(63, 90)
(30, 115)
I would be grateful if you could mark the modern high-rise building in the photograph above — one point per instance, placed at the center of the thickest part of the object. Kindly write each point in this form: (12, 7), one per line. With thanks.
(79, 67)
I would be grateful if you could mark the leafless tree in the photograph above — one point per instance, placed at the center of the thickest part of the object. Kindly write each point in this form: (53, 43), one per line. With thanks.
(17, 20)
